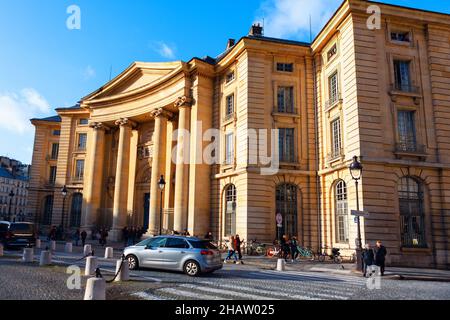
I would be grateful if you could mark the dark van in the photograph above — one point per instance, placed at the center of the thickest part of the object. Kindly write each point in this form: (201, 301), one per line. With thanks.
(20, 234)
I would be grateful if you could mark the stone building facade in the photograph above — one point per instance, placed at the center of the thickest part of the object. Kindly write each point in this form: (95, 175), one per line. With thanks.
(214, 128)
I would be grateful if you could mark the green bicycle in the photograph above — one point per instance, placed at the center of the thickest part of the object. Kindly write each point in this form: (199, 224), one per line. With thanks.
(305, 253)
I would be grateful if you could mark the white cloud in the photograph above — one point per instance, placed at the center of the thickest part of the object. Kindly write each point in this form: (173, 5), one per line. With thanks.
(16, 109)
(164, 50)
(291, 18)
(89, 73)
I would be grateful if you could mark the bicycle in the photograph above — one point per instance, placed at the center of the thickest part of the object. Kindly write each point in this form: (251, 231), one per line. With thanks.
(335, 255)
(305, 253)
(255, 248)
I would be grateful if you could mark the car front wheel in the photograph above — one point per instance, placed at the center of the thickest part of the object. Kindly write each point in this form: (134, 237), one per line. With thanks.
(133, 262)
(192, 268)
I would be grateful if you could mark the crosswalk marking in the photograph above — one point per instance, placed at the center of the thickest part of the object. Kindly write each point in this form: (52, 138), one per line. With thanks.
(321, 278)
(147, 296)
(227, 292)
(189, 294)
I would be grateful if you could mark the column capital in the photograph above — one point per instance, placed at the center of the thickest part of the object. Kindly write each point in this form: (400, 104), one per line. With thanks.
(98, 126)
(161, 113)
(183, 102)
(125, 122)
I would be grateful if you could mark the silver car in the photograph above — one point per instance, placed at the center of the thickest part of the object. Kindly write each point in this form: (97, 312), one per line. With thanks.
(189, 255)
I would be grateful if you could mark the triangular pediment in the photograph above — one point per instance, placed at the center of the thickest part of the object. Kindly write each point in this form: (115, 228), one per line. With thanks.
(135, 77)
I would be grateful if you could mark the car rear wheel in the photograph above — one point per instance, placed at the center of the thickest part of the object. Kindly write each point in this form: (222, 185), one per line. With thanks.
(192, 268)
(133, 262)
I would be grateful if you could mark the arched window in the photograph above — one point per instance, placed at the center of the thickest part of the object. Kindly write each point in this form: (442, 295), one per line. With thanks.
(286, 203)
(48, 211)
(230, 210)
(412, 216)
(341, 212)
(75, 211)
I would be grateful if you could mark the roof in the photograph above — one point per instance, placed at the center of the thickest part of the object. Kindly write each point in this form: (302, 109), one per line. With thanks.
(75, 107)
(4, 173)
(49, 119)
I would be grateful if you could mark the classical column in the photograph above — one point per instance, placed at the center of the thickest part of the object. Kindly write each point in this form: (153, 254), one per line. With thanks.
(182, 169)
(158, 162)
(93, 181)
(121, 181)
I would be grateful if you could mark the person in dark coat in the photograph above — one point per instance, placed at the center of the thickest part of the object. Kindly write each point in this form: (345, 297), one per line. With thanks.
(209, 236)
(125, 234)
(380, 253)
(83, 237)
(285, 247)
(294, 249)
(368, 259)
(237, 246)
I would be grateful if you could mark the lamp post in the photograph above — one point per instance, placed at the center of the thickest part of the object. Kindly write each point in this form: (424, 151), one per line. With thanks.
(162, 185)
(356, 172)
(11, 196)
(64, 194)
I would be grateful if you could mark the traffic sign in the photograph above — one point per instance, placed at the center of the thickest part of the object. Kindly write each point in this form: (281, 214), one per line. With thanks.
(279, 218)
(360, 213)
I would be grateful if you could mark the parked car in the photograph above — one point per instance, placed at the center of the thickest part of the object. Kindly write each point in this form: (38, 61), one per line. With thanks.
(20, 234)
(189, 255)
(4, 225)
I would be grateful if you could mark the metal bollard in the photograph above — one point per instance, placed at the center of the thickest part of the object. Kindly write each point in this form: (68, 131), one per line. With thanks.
(53, 245)
(46, 258)
(69, 247)
(109, 253)
(91, 265)
(1, 250)
(124, 274)
(28, 255)
(95, 289)
(281, 265)
(38, 244)
(87, 249)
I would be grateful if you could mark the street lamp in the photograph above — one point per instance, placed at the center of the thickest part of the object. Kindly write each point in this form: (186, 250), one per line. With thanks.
(162, 185)
(356, 173)
(64, 194)
(11, 196)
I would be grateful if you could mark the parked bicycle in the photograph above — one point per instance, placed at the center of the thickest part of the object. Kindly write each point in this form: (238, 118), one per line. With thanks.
(305, 253)
(255, 248)
(334, 256)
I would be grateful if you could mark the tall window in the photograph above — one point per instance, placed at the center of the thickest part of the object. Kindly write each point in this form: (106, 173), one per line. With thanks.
(412, 216)
(230, 210)
(407, 131)
(286, 144)
(75, 212)
(52, 176)
(286, 99)
(229, 111)
(286, 205)
(341, 211)
(48, 211)
(79, 170)
(402, 75)
(333, 88)
(82, 138)
(229, 148)
(336, 138)
(55, 151)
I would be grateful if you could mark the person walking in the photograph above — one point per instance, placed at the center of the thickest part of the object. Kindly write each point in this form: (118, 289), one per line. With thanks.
(103, 237)
(380, 253)
(285, 247)
(237, 246)
(209, 236)
(368, 259)
(83, 237)
(133, 235)
(76, 237)
(294, 249)
(231, 250)
(125, 235)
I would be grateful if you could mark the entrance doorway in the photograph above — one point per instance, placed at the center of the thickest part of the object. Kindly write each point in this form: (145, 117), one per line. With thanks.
(146, 211)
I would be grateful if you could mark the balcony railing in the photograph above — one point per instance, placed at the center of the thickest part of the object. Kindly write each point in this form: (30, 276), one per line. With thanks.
(335, 155)
(333, 102)
(405, 88)
(228, 117)
(410, 147)
(287, 111)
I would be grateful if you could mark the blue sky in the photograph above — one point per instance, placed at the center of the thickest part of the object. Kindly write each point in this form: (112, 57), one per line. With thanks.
(44, 65)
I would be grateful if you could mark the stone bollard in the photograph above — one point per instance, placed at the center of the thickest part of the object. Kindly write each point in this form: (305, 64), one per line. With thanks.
(28, 255)
(53, 245)
(91, 265)
(1, 250)
(38, 244)
(109, 253)
(95, 289)
(46, 258)
(124, 274)
(281, 265)
(87, 249)
(68, 248)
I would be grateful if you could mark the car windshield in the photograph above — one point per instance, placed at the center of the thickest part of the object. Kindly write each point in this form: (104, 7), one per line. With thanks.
(202, 245)
(143, 243)
(21, 227)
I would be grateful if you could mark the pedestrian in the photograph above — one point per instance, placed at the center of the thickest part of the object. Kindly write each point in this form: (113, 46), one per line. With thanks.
(294, 249)
(231, 250)
(83, 237)
(103, 236)
(237, 246)
(285, 247)
(368, 259)
(209, 236)
(125, 235)
(76, 237)
(380, 253)
(133, 235)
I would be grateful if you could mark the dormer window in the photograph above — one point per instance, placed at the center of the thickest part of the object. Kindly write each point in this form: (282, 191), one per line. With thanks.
(400, 36)
(332, 52)
(230, 77)
(285, 67)
(84, 122)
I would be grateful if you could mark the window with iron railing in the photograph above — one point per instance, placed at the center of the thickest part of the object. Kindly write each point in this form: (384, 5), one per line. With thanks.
(336, 139)
(79, 170)
(229, 149)
(52, 175)
(285, 100)
(82, 139)
(333, 90)
(55, 151)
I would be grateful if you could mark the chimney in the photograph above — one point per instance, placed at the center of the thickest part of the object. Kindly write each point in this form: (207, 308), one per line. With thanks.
(230, 43)
(256, 30)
